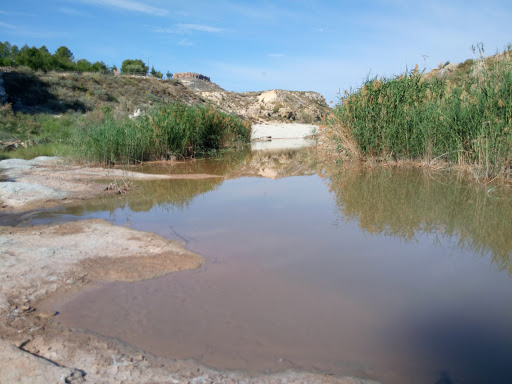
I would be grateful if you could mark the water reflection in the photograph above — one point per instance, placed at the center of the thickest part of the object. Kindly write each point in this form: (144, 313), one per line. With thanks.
(393, 291)
(406, 203)
(270, 163)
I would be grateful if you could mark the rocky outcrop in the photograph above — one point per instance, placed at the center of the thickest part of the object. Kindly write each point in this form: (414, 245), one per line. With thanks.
(447, 70)
(276, 104)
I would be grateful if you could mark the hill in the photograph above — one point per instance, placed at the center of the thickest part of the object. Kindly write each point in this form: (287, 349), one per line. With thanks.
(32, 92)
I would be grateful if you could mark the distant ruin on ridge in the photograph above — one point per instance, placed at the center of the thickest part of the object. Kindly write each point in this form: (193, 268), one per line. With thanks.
(190, 75)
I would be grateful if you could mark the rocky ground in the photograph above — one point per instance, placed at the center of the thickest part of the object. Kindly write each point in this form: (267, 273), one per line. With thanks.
(41, 262)
(49, 181)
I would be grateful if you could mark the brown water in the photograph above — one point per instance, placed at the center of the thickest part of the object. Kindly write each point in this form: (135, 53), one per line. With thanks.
(392, 275)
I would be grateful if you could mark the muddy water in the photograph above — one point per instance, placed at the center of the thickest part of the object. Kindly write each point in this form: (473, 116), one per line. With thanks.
(394, 275)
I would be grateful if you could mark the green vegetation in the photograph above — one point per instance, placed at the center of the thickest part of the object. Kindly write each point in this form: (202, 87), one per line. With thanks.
(86, 114)
(170, 131)
(40, 59)
(134, 67)
(156, 73)
(37, 128)
(53, 149)
(464, 119)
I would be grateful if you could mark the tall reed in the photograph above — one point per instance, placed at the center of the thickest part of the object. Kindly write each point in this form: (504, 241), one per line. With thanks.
(175, 130)
(464, 119)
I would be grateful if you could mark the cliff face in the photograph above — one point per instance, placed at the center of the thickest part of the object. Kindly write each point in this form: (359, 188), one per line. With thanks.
(276, 104)
(304, 107)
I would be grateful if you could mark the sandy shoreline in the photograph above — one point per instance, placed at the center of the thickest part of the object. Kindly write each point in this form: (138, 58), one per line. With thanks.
(39, 262)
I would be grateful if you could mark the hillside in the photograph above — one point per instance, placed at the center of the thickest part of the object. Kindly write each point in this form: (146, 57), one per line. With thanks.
(457, 72)
(56, 93)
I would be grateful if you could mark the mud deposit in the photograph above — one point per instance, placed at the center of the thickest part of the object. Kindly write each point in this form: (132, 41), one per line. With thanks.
(396, 276)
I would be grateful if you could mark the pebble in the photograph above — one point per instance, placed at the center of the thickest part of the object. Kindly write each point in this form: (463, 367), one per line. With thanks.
(46, 314)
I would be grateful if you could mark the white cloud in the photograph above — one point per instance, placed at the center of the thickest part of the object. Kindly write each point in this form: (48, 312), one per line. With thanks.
(185, 43)
(129, 5)
(73, 12)
(24, 31)
(189, 28)
(7, 26)
(164, 30)
(199, 27)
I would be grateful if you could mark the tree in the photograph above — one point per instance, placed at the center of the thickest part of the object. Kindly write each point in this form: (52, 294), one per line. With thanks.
(5, 49)
(83, 65)
(134, 67)
(155, 73)
(169, 75)
(14, 51)
(100, 66)
(32, 57)
(5, 53)
(64, 53)
(63, 59)
(45, 58)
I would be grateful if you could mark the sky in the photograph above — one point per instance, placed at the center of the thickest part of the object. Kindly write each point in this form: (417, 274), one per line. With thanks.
(302, 45)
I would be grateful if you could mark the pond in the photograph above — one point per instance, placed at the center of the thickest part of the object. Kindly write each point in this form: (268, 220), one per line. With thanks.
(396, 275)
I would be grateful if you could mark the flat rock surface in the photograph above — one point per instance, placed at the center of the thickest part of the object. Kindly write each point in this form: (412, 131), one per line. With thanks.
(46, 181)
(17, 366)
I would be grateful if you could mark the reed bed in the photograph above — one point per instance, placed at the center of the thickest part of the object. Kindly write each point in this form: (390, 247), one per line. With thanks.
(465, 120)
(175, 130)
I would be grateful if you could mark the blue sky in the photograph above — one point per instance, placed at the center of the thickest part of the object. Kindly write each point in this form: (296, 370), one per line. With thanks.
(323, 46)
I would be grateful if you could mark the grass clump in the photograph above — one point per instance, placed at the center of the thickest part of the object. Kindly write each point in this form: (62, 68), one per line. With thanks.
(176, 130)
(28, 153)
(465, 119)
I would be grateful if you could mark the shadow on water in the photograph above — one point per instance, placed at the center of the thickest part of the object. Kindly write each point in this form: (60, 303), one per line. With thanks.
(407, 203)
(468, 351)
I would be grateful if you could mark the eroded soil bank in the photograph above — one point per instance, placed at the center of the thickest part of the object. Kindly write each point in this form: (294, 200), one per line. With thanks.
(41, 261)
